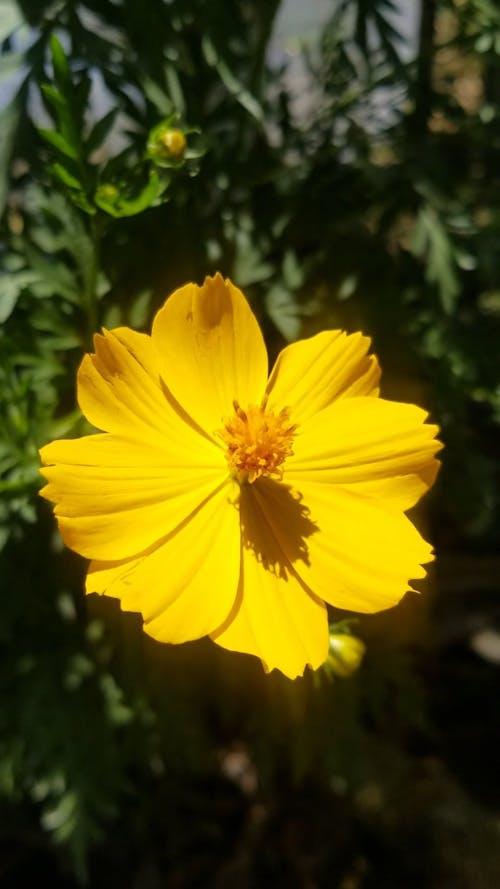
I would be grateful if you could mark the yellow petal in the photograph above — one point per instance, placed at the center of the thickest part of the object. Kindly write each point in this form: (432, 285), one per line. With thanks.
(120, 391)
(348, 549)
(312, 373)
(116, 496)
(186, 586)
(275, 616)
(382, 449)
(211, 351)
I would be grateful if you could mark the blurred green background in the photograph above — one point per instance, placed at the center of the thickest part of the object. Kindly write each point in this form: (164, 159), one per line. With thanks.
(341, 165)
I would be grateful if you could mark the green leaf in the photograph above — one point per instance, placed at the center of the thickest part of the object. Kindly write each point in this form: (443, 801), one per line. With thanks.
(80, 91)
(59, 142)
(175, 90)
(9, 119)
(430, 241)
(157, 96)
(230, 81)
(281, 305)
(52, 278)
(53, 97)
(62, 71)
(64, 176)
(80, 200)
(140, 309)
(293, 274)
(65, 105)
(119, 203)
(100, 130)
(63, 114)
(11, 287)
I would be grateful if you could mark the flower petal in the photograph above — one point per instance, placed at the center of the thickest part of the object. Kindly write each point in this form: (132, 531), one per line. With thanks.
(275, 616)
(120, 391)
(211, 349)
(186, 586)
(358, 556)
(382, 449)
(116, 496)
(310, 374)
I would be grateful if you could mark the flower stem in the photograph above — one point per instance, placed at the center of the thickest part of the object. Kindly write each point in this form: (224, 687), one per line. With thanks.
(90, 291)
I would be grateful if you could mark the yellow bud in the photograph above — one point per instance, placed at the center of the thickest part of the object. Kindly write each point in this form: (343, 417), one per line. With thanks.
(346, 654)
(174, 141)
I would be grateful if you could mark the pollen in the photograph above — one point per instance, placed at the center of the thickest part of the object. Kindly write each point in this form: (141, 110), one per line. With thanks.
(258, 441)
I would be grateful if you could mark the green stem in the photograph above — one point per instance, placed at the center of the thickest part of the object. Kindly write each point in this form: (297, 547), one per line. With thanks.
(422, 92)
(266, 14)
(90, 293)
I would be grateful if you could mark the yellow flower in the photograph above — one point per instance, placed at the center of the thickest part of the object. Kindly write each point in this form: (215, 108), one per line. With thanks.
(218, 501)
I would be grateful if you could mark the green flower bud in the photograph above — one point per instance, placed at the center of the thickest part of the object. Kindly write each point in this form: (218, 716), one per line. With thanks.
(167, 145)
(108, 192)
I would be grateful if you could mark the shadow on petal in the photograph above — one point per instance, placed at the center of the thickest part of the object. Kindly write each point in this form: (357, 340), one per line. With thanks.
(266, 505)
(275, 616)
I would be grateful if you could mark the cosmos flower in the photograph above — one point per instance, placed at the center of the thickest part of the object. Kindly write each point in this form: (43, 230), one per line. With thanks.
(218, 501)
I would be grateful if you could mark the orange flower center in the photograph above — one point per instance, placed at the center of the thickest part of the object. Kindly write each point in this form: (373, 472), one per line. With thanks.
(258, 441)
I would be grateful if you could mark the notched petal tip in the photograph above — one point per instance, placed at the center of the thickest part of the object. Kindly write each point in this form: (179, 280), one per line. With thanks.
(293, 674)
(47, 460)
(98, 341)
(313, 373)
(44, 453)
(211, 350)
(217, 279)
(45, 491)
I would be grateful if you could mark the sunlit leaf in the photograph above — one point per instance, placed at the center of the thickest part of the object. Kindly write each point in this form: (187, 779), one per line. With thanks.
(64, 176)
(62, 71)
(59, 142)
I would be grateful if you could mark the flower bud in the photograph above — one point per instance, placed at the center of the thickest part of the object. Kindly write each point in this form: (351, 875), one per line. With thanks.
(174, 142)
(108, 192)
(345, 655)
(167, 145)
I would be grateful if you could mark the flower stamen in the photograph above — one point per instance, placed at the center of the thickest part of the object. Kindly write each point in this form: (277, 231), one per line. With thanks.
(258, 441)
